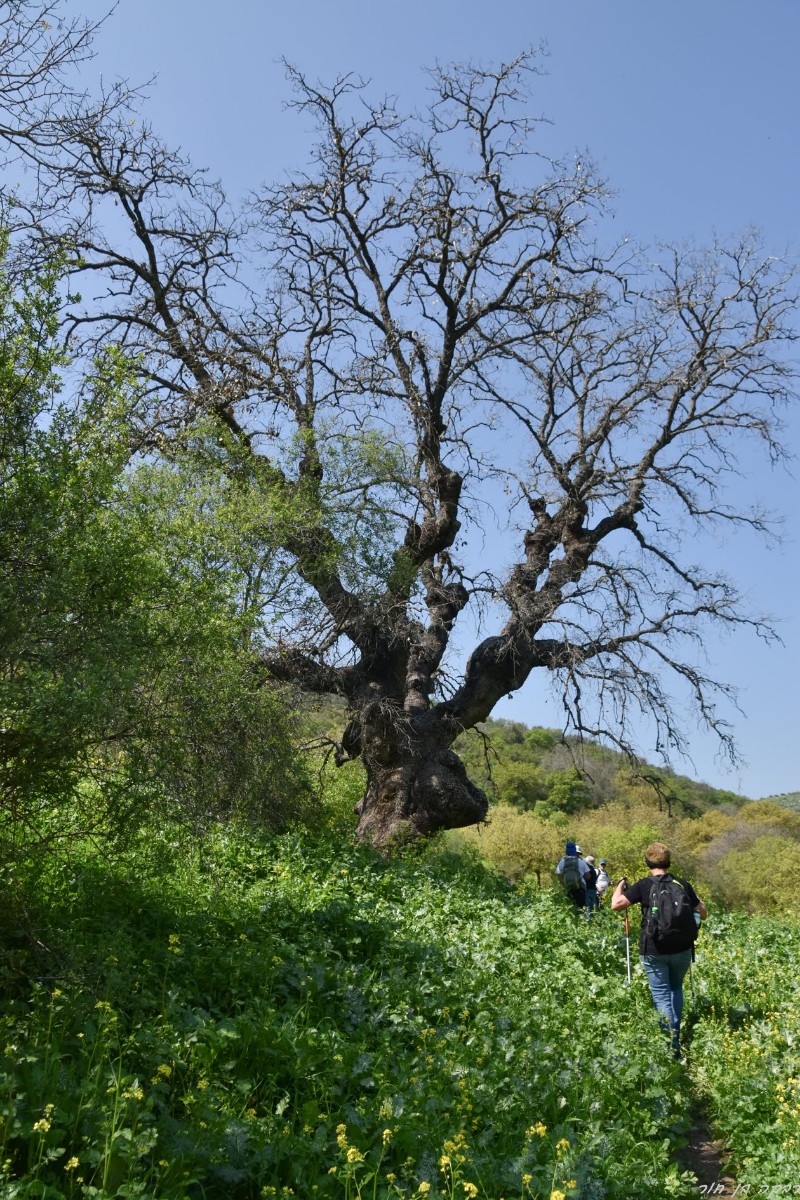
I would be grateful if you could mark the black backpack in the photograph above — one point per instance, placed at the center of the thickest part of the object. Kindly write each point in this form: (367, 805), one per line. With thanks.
(571, 874)
(590, 878)
(670, 919)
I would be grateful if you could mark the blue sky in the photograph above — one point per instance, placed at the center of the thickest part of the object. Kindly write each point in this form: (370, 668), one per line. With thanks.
(691, 111)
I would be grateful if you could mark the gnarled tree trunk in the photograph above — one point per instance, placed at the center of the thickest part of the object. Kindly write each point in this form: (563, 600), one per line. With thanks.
(422, 791)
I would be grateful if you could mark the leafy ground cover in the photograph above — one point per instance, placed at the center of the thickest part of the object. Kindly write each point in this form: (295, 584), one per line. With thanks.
(298, 1017)
(746, 1046)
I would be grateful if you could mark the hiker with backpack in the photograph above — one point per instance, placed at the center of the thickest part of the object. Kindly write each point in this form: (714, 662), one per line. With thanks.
(571, 870)
(590, 887)
(671, 913)
(603, 880)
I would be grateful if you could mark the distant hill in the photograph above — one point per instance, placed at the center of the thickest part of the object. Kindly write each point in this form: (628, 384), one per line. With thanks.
(786, 800)
(543, 771)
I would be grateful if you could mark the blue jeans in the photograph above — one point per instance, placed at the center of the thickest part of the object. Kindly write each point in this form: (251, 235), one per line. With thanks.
(665, 974)
(592, 902)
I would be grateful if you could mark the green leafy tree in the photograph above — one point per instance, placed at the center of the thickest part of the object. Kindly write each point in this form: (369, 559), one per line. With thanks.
(520, 784)
(125, 676)
(762, 877)
(567, 792)
(517, 843)
(539, 741)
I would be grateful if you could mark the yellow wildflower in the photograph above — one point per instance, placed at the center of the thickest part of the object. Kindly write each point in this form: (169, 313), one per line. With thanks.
(526, 1179)
(562, 1147)
(537, 1130)
(72, 1163)
(41, 1126)
(354, 1154)
(558, 1195)
(387, 1136)
(470, 1190)
(424, 1188)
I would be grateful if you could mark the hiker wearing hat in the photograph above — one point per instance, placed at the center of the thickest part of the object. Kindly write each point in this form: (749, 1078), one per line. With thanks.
(603, 880)
(590, 887)
(571, 870)
(671, 913)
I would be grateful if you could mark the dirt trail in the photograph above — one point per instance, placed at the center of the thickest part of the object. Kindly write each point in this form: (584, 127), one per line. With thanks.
(705, 1156)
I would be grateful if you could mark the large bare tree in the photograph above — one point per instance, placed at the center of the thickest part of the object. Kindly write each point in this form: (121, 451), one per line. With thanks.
(421, 364)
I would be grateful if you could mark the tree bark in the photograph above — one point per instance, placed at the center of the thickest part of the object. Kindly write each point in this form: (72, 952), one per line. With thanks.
(413, 790)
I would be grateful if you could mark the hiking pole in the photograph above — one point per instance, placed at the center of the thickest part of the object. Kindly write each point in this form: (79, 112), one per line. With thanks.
(628, 945)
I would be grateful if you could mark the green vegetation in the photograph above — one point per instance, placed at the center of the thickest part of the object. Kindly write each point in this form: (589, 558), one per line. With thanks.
(247, 1015)
(541, 771)
(126, 682)
(748, 858)
(746, 1045)
(296, 1016)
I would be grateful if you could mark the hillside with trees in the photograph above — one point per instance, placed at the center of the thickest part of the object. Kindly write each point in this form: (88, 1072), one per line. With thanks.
(544, 771)
(546, 789)
(787, 799)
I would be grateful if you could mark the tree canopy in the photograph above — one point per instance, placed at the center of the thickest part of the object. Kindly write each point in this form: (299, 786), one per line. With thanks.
(423, 337)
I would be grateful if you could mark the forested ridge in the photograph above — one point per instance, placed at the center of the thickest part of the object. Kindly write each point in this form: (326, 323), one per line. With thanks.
(546, 787)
